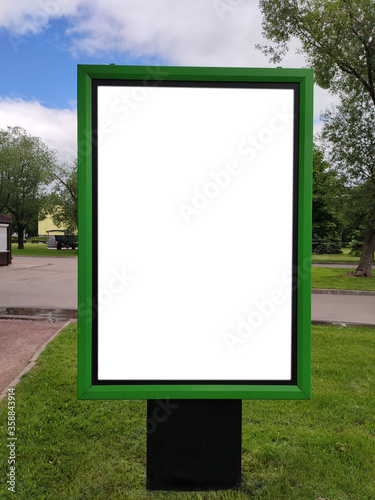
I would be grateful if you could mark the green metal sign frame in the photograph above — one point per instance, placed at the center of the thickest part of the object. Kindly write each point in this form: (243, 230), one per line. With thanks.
(300, 388)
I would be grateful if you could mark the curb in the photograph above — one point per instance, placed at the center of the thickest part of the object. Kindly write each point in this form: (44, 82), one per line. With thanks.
(21, 266)
(28, 318)
(33, 360)
(332, 291)
(45, 256)
(341, 323)
(51, 314)
(333, 264)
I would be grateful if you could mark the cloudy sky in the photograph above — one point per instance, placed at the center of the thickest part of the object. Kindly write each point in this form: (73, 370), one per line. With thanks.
(42, 41)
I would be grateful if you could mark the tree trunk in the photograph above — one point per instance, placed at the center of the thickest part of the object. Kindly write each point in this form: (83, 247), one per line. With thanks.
(20, 237)
(364, 268)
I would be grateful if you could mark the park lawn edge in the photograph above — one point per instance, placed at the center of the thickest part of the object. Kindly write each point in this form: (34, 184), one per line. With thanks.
(291, 449)
(330, 278)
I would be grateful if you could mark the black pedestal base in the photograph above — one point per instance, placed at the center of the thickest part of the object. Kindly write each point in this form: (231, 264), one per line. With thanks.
(193, 444)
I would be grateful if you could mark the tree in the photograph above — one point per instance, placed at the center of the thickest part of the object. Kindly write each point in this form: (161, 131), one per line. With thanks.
(64, 198)
(26, 166)
(31, 228)
(349, 135)
(325, 223)
(354, 215)
(337, 36)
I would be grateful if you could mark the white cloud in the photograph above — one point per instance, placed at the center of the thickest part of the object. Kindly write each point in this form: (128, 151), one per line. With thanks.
(24, 17)
(56, 127)
(184, 32)
(188, 32)
(323, 100)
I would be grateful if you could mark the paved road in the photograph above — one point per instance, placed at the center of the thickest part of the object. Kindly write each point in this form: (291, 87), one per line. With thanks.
(343, 308)
(52, 282)
(39, 282)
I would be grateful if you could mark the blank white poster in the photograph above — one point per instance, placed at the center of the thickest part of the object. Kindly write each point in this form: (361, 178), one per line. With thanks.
(195, 233)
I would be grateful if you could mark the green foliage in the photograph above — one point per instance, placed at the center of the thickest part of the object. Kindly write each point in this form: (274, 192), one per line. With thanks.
(26, 166)
(37, 239)
(356, 247)
(337, 36)
(349, 137)
(15, 240)
(31, 228)
(326, 246)
(338, 39)
(325, 226)
(63, 201)
(356, 244)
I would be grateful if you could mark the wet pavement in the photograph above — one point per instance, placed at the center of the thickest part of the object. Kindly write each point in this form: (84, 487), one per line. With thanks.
(52, 315)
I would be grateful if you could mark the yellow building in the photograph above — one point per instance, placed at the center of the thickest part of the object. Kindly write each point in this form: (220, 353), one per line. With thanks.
(54, 234)
(47, 227)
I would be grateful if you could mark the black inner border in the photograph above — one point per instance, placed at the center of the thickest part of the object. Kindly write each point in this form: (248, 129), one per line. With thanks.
(200, 84)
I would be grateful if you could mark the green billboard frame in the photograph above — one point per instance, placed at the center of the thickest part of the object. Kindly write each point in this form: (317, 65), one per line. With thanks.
(303, 78)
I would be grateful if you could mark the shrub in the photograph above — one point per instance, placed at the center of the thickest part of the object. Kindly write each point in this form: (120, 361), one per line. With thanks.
(326, 246)
(37, 239)
(356, 248)
(15, 240)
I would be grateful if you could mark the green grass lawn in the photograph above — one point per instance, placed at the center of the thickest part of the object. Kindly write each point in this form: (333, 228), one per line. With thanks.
(40, 249)
(69, 449)
(326, 277)
(342, 258)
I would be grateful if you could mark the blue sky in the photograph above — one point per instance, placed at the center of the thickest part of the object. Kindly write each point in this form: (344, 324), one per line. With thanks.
(42, 66)
(37, 68)
(41, 43)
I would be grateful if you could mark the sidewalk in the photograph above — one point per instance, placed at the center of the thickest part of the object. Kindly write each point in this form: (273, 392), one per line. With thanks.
(343, 308)
(41, 282)
(21, 343)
